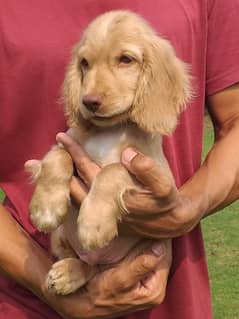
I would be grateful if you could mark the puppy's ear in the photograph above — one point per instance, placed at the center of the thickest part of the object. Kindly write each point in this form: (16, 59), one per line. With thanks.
(163, 88)
(71, 90)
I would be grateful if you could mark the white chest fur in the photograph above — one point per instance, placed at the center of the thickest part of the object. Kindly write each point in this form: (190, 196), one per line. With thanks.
(105, 147)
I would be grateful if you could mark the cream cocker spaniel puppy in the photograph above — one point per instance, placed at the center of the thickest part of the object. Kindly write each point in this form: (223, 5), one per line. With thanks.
(124, 87)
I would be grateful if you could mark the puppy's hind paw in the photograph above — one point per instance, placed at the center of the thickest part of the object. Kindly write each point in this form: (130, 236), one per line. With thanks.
(68, 275)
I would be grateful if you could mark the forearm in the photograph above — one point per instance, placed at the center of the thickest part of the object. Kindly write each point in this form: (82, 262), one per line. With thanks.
(216, 184)
(24, 260)
(159, 210)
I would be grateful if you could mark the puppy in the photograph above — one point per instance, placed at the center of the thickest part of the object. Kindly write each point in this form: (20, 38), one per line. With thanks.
(124, 87)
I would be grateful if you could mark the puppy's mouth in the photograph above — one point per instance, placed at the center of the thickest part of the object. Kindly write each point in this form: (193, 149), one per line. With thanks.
(109, 119)
(105, 117)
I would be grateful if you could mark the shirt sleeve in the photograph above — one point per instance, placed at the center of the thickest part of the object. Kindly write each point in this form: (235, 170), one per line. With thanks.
(222, 45)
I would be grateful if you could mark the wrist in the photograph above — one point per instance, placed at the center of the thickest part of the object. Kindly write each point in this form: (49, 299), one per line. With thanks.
(196, 200)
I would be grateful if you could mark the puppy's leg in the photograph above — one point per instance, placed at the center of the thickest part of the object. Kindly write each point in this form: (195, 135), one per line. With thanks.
(50, 201)
(68, 275)
(100, 210)
(60, 246)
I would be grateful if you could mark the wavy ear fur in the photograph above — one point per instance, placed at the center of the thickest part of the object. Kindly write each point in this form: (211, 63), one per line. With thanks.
(163, 88)
(71, 90)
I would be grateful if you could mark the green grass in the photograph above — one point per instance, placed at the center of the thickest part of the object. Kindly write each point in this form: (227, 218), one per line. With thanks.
(222, 243)
(222, 248)
(1, 195)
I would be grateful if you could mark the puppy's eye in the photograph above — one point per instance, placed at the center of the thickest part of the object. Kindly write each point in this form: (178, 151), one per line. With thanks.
(125, 59)
(84, 63)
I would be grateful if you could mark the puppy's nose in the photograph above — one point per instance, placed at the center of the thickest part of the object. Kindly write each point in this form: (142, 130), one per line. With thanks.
(92, 102)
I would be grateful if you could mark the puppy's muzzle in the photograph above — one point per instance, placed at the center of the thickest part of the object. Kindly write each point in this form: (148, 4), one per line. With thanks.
(92, 102)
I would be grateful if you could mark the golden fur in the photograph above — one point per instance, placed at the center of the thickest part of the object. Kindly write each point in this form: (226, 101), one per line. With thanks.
(153, 89)
(141, 88)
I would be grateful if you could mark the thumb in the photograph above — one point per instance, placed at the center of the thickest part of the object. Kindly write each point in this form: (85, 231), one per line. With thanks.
(154, 177)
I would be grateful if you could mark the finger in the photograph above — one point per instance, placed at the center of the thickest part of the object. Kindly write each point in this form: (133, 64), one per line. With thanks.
(154, 287)
(78, 190)
(165, 225)
(129, 275)
(143, 202)
(149, 173)
(150, 290)
(86, 168)
(148, 230)
(155, 284)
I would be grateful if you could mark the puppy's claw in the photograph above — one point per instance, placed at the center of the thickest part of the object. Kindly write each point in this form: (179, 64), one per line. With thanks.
(93, 237)
(68, 275)
(98, 229)
(46, 220)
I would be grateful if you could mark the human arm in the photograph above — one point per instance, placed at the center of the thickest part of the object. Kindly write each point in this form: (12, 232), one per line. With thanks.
(21, 258)
(215, 184)
(171, 212)
(160, 210)
(109, 294)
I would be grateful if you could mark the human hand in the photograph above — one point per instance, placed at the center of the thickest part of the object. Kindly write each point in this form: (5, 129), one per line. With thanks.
(158, 209)
(86, 168)
(125, 288)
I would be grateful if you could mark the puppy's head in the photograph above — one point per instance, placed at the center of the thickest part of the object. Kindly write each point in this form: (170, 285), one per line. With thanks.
(121, 70)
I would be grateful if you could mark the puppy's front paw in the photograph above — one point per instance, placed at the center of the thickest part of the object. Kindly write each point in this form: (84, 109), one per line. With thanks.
(49, 206)
(68, 275)
(97, 224)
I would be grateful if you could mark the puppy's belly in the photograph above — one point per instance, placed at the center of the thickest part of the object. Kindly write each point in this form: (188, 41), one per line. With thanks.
(114, 252)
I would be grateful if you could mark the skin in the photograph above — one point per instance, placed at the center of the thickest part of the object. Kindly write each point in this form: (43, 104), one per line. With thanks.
(214, 186)
(172, 212)
(120, 290)
(142, 283)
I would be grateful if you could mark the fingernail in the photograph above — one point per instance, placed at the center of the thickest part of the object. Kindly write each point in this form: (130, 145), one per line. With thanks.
(157, 249)
(128, 154)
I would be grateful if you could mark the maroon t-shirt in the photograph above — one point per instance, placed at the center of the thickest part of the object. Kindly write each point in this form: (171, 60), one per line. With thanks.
(35, 42)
